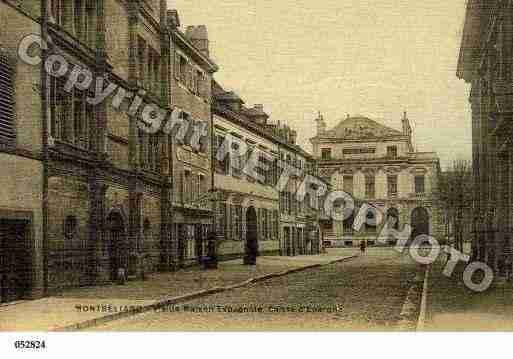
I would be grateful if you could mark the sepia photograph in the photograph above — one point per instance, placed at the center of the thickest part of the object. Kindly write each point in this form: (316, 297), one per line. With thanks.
(253, 168)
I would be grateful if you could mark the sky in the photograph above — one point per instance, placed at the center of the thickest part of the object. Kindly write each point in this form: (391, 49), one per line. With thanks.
(374, 58)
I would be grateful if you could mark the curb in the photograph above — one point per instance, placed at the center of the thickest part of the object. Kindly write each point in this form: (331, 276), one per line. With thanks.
(423, 303)
(409, 320)
(186, 297)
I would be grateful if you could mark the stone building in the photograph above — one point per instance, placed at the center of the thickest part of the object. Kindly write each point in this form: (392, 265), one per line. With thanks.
(250, 209)
(485, 62)
(22, 266)
(97, 192)
(300, 222)
(376, 165)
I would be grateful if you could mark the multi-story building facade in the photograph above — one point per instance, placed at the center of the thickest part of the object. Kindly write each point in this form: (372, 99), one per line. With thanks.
(191, 91)
(22, 273)
(301, 232)
(247, 207)
(97, 192)
(377, 165)
(250, 209)
(485, 62)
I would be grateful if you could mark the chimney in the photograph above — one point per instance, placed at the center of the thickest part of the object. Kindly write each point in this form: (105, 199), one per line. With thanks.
(198, 35)
(407, 131)
(321, 125)
(173, 19)
(257, 114)
(293, 137)
(406, 125)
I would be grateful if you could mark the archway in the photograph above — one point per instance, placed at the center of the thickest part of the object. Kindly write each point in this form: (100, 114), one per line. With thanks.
(419, 222)
(116, 241)
(393, 213)
(251, 236)
(393, 216)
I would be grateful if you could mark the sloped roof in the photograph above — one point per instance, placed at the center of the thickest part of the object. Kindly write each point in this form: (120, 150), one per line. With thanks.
(359, 128)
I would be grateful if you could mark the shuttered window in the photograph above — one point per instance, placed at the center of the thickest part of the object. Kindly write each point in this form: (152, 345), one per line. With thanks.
(7, 106)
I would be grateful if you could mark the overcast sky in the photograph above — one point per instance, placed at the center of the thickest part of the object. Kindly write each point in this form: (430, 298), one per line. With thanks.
(375, 58)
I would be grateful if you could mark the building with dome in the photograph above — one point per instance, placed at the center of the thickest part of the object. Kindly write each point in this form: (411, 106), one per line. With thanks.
(377, 165)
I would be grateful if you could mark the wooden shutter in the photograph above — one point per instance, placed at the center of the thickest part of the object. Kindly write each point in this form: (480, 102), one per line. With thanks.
(7, 105)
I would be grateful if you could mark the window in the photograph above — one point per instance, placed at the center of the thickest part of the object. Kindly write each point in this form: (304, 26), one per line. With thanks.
(58, 13)
(348, 225)
(183, 68)
(420, 184)
(237, 161)
(236, 222)
(150, 74)
(77, 17)
(264, 167)
(326, 154)
(203, 184)
(156, 70)
(392, 185)
(221, 219)
(370, 186)
(149, 151)
(141, 53)
(392, 151)
(276, 225)
(70, 114)
(370, 227)
(270, 224)
(249, 156)
(153, 70)
(70, 227)
(221, 166)
(7, 110)
(81, 118)
(199, 186)
(348, 184)
(83, 20)
(358, 151)
(89, 23)
(187, 186)
(265, 234)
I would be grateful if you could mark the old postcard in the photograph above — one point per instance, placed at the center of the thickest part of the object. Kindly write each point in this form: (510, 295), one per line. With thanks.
(229, 165)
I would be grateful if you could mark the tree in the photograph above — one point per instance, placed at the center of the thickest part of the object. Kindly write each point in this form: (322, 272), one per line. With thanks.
(454, 197)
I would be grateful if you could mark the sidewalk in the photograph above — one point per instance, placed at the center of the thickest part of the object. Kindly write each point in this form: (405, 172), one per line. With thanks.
(89, 304)
(453, 307)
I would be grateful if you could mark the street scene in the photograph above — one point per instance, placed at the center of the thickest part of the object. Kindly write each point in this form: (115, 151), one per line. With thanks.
(185, 166)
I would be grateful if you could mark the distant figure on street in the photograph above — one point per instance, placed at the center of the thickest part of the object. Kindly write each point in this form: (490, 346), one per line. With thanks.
(363, 246)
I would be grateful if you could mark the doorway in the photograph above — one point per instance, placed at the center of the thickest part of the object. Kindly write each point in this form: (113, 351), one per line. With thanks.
(15, 266)
(116, 241)
(419, 222)
(251, 236)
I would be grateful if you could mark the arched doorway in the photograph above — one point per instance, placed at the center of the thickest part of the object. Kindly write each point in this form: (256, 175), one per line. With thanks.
(419, 222)
(393, 217)
(116, 242)
(251, 237)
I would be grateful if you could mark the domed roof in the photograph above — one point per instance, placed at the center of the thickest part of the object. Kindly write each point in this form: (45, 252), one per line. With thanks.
(359, 128)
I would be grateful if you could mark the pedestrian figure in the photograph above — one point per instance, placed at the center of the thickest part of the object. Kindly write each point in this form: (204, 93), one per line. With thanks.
(362, 247)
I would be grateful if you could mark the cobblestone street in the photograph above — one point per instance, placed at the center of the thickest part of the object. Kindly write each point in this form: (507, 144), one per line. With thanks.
(368, 291)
